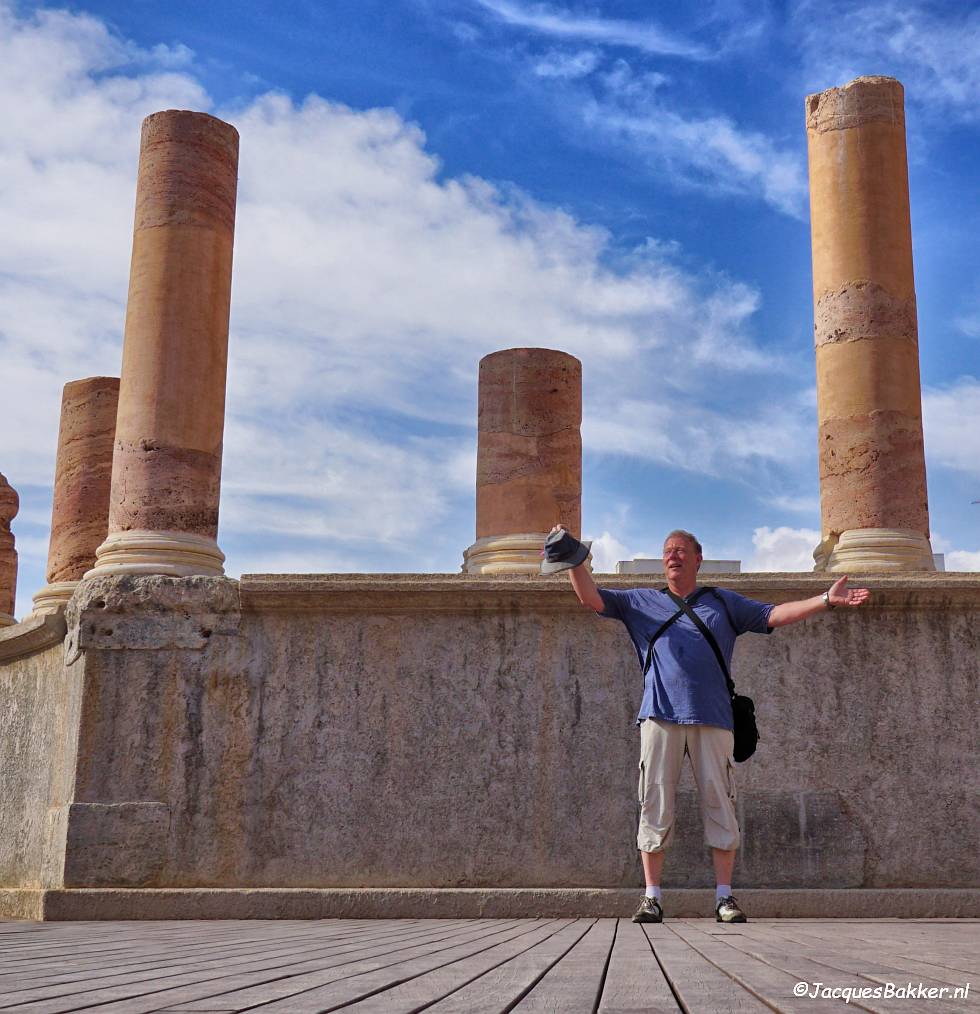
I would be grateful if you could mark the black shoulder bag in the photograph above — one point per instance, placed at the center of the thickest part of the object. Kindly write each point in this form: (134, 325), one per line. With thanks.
(743, 708)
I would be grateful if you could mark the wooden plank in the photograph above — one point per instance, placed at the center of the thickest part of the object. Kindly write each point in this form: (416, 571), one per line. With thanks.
(941, 959)
(244, 989)
(769, 983)
(93, 978)
(393, 980)
(502, 986)
(635, 981)
(936, 944)
(149, 951)
(696, 983)
(282, 965)
(880, 964)
(817, 963)
(572, 985)
(149, 956)
(122, 943)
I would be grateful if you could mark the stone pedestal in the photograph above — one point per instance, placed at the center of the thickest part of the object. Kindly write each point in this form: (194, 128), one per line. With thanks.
(872, 464)
(529, 458)
(166, 469)
(83, 472)
(9, 504)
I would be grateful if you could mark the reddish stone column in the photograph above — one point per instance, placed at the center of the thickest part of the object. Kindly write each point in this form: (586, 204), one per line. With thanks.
(83, 471)
(529, 458)
(166, 469)
(874, 508)
(9, 504)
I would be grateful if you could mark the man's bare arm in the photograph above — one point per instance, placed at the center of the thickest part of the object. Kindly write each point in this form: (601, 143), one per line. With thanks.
(839, 594)
(585, 588)
(582, 583)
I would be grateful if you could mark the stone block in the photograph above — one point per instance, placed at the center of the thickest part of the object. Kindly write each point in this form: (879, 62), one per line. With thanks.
(113, 844)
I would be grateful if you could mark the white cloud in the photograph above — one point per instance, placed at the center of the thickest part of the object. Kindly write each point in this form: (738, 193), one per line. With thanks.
(783, 549)
(705, 441)
(631, 108)
(949, 422)
(961, 559)
(607, 551)
(969, 324)
(801, 504)
(552, 21)
(557, 64)
(712, 153)
(934, 50)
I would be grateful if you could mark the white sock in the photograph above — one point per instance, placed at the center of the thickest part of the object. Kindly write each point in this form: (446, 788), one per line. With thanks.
(722, 891)
(653, 892)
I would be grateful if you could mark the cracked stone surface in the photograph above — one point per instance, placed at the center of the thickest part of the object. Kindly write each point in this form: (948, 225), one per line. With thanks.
(83, 474)
(167, 468)
(868, 99)
(529, 456)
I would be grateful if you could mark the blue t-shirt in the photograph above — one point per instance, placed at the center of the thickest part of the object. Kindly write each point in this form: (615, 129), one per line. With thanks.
(685, 684)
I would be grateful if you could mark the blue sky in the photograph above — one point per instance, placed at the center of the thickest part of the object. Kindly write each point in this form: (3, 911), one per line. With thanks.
(426, 181)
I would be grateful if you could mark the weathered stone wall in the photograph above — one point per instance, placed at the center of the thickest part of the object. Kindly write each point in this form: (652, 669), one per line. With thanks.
(39, 721)
(445, 731)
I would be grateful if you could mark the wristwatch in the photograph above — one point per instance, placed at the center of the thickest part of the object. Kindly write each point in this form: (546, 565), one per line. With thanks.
(827, 602)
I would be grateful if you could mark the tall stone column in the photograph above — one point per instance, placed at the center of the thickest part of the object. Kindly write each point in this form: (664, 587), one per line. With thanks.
(166, 468)
(9, 504)
(874, 509)
(529, 458)
(82, 476)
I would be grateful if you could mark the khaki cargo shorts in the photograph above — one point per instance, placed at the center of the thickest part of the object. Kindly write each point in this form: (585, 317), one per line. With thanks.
(662, 749)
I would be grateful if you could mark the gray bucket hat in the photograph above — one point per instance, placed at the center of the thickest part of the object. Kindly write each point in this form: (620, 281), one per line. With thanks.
(563, 551)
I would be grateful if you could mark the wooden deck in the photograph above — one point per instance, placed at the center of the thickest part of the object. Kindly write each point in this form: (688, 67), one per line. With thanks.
(564, 966)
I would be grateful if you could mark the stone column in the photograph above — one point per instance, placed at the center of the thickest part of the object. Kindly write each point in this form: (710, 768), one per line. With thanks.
(166, 468)
(529, 458)
(82, 474)
(874, 510)
(9, 503)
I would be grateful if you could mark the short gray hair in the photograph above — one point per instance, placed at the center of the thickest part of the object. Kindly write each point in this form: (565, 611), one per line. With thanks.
(693, 539)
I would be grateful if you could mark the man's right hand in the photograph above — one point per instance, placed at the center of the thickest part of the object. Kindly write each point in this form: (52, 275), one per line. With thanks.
(581, 577)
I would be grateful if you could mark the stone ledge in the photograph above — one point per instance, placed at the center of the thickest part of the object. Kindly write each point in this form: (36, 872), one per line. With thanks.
(454, 593)
(474, 903)
(33, 634)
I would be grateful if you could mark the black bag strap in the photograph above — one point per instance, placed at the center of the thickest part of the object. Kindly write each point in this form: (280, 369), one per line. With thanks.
(663, 628)
(685, 607)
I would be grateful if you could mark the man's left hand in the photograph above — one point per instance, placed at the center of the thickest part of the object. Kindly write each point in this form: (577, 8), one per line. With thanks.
(841, 595)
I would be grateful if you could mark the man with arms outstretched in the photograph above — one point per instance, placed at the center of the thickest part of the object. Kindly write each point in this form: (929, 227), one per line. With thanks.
(686, 707)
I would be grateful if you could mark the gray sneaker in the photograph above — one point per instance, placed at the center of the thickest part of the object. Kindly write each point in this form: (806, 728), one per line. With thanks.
(727, 910)
(649, 911)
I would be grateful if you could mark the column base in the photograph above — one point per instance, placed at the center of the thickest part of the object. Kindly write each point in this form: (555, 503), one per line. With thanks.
(53, 598)
(173, 554)
(873, 550)
(505, 554)
(6, 620)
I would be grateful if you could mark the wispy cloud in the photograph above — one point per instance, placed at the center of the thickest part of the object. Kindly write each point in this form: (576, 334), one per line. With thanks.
(558, 64)
(969, 324)
(782, 549)
(949, 414)
(933, 49)
(708, 442)
(710, 152)
(562, 24)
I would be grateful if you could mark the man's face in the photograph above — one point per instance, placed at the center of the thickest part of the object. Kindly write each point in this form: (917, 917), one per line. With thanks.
(681, 559)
